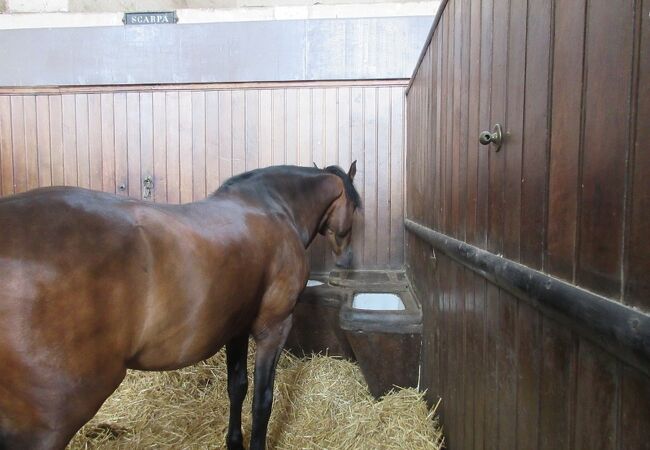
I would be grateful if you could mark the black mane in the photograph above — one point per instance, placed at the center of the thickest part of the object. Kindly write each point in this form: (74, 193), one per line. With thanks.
(350, 190)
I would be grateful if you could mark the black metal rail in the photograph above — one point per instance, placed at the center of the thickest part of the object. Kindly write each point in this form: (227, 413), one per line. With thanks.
(609, 322)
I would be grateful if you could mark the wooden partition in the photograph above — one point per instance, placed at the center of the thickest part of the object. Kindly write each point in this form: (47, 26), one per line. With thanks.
(190, 138)
(566, 195)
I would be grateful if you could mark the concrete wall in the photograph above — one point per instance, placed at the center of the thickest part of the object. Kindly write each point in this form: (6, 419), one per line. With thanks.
(292, 50)
(86, 6)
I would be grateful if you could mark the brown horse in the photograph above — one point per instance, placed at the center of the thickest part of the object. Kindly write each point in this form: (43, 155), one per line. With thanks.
(92, 284)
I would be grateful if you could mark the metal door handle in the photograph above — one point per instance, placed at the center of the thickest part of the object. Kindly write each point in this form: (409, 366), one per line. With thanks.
(496, 137)
(148, 187)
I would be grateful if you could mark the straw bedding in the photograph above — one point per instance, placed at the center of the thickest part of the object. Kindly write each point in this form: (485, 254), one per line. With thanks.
(320, 403)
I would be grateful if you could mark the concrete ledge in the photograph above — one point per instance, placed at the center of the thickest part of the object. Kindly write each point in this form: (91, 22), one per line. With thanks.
(293, 50)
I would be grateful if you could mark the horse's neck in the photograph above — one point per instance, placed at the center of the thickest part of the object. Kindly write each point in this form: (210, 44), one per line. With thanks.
(309, 201)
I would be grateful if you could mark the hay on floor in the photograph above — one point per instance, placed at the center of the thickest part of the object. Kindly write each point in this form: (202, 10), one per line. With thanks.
(320, 402)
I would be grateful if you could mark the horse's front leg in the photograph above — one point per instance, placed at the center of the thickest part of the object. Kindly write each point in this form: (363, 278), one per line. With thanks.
(269, 346)
(236, 358)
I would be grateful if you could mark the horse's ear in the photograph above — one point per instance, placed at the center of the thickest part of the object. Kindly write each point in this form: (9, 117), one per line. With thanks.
(316, 166)
(353, 170)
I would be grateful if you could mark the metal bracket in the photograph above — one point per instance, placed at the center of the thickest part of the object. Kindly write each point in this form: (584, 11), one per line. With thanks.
(147, 185)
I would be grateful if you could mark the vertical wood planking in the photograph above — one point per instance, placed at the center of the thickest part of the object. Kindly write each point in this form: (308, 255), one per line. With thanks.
(291, 128)
(491, 398)
(319, 246)
(596, 399)
(466, 417)
(485, 96)
(56, 139)
(331, 143)
(528, 365)
(426, 159)
(357, 143)
(238, 132)
(172, 147)
(343, 127)
(507, 370)
(225, 135)
(147, 141)
(383, 177)
(443, 297)
(43, 142)
(6, 147)
(133, 144)
(637, 283)
(473, 147)
(534, 190)
(107, 144)
(437, 59)
(121, 143)
(330, 127)
(533, 384)
(305, 147)
(95, 141)
(455, 125)
(514, 123)
(608, 62)
(635, 410)
(278, 147)
(556, 387)
(83, 148)
(480, 361)
(396, 178)
(31, 150)
(17, 122)
(159, 101)
(185, 146)
(457, 315)
(370, 174)
(199, 189)
(448, 115)
(265, 127)
(464, 117)
(252, 129)
(69, 140)
(212, 162)
(497, 160)
(304, 127)
(565, 137)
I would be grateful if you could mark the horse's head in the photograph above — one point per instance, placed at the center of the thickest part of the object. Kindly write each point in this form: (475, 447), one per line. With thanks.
(337, 226)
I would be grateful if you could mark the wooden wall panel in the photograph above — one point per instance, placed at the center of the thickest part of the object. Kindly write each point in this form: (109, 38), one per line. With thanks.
(190, 140)
(607, 87)
(637, 246)
(6, 147)
(108, 143)
(534, 176)
(566, 119)
(562, 195)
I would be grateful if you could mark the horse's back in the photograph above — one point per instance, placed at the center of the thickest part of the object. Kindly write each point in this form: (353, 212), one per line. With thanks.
(160, 284)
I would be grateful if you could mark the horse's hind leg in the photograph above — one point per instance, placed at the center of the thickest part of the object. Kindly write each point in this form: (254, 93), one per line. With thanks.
(269, 345)
(236, 358)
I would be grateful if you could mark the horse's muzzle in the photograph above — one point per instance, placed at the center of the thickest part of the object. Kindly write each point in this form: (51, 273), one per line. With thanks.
(344, 261)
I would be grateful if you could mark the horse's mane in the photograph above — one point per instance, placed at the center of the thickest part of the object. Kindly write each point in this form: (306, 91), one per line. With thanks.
(350, 190)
